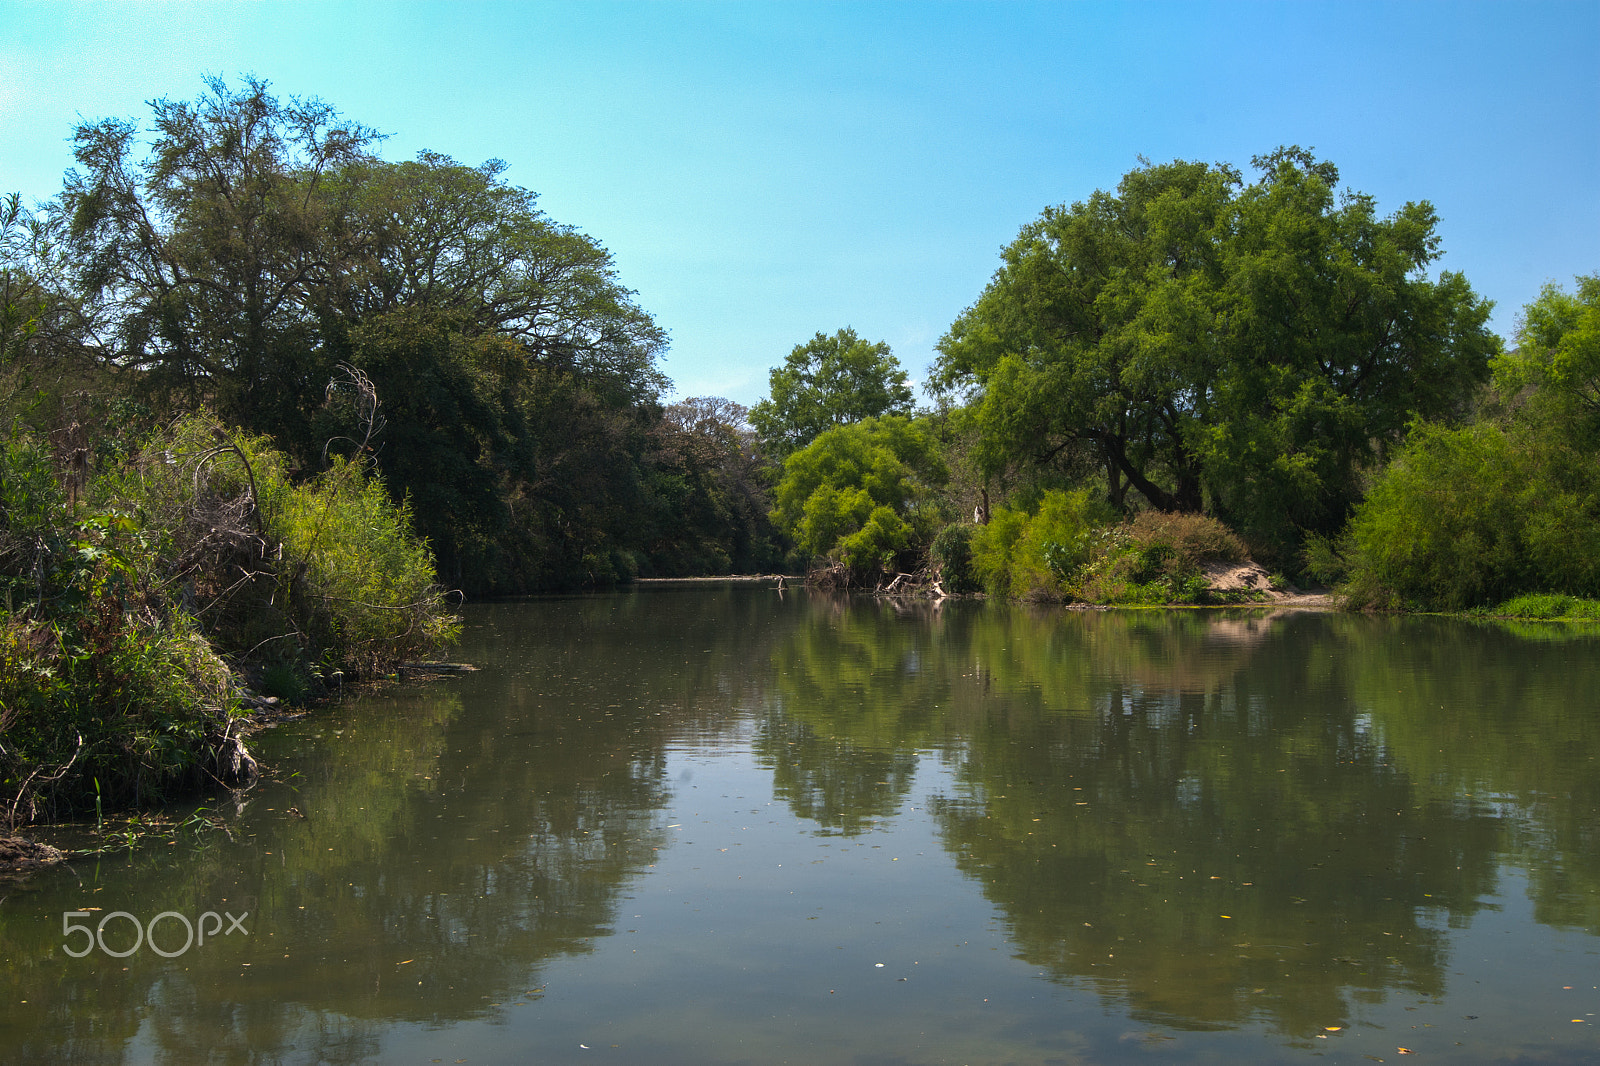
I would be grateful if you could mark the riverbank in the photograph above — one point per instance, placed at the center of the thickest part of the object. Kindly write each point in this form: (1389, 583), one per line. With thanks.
(153, 602)
(723, 579)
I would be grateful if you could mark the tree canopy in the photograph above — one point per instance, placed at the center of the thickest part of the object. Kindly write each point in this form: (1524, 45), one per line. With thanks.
(249, 247)
(1211, 344)
(826, 382)
(1557, 359)
(1475, 515)
(858, 493)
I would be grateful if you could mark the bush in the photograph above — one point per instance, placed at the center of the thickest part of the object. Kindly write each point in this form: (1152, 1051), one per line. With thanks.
(116, 606)
(360, 587)
(105, 689)
(321, 575)
(951, 554)
(1474, 516)
(1550, 606)
(1192, 539)
(1156, 558)
(876, 544)
(1038, 557)
(859, 494)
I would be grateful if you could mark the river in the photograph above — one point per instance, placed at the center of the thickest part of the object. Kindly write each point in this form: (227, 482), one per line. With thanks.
(723, 825)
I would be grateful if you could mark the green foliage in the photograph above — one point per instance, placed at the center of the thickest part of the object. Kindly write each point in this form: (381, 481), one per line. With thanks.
(333, 576)
(250, 247)
(951, 554)
(101, 682)
(1250, 349)
(1548, 606)
(1191, 539)
(1038, 556)
(1471, 517)
(118, 599)
(993, 548)
(1474, 516)
(709, 498)
(859, 493)
(1324, 560)
(1556, 366)
(828, 382)
(1074, 549)
(361, 585)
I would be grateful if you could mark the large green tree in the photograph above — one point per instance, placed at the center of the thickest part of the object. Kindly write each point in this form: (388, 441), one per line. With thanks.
(826, 382)
(198, 257)
(1210, 344)
(1556, 364)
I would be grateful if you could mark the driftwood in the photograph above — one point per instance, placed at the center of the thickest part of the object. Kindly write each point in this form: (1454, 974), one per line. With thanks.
(406, 669)
(840, 578)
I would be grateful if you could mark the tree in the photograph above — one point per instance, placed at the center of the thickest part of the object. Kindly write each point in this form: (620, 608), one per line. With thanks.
(1212, 345)
(826, 382)
(196, 259)
(1475, 515)
(451, 239)
(252, 246)
(708, 484)
(858, 493)
(1557, 360)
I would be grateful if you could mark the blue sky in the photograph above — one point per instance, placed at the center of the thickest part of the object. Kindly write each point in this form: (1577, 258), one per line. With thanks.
(764, 171)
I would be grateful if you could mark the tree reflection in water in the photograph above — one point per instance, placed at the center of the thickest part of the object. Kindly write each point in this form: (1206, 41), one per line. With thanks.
(1207, 819)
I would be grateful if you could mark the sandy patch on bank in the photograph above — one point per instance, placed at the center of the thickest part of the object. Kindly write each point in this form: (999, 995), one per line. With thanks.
(1249, 577)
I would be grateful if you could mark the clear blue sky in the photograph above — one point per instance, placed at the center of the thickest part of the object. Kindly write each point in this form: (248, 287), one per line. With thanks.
(764, 171)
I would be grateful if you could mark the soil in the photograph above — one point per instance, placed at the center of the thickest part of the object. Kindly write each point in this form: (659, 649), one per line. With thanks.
(1247, 576)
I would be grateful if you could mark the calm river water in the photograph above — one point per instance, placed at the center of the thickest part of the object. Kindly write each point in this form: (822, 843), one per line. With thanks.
(716, 825)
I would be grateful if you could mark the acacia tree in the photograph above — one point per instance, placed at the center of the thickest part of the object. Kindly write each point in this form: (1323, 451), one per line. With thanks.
(1210, 344)
(826, 382)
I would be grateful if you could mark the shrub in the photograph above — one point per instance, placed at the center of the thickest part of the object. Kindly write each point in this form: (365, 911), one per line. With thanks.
(104, 687)
(1474, 516)
(858, 494)
(1156, 558)
(874, 546)
(951, 554)
(1552, 606)
(359, 585)
(115, 608)
(993, 546)
(319, 575)
(1038, 556)
(1191, 538)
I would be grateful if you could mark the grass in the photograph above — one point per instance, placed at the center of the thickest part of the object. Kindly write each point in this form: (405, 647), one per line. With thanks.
(1548, 607)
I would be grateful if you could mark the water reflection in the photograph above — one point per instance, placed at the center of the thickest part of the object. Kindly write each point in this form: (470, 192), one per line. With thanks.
(1205, 821)
(1218, 817)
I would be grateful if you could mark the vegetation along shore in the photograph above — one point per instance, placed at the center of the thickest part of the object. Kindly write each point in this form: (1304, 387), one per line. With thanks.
(272, 404)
